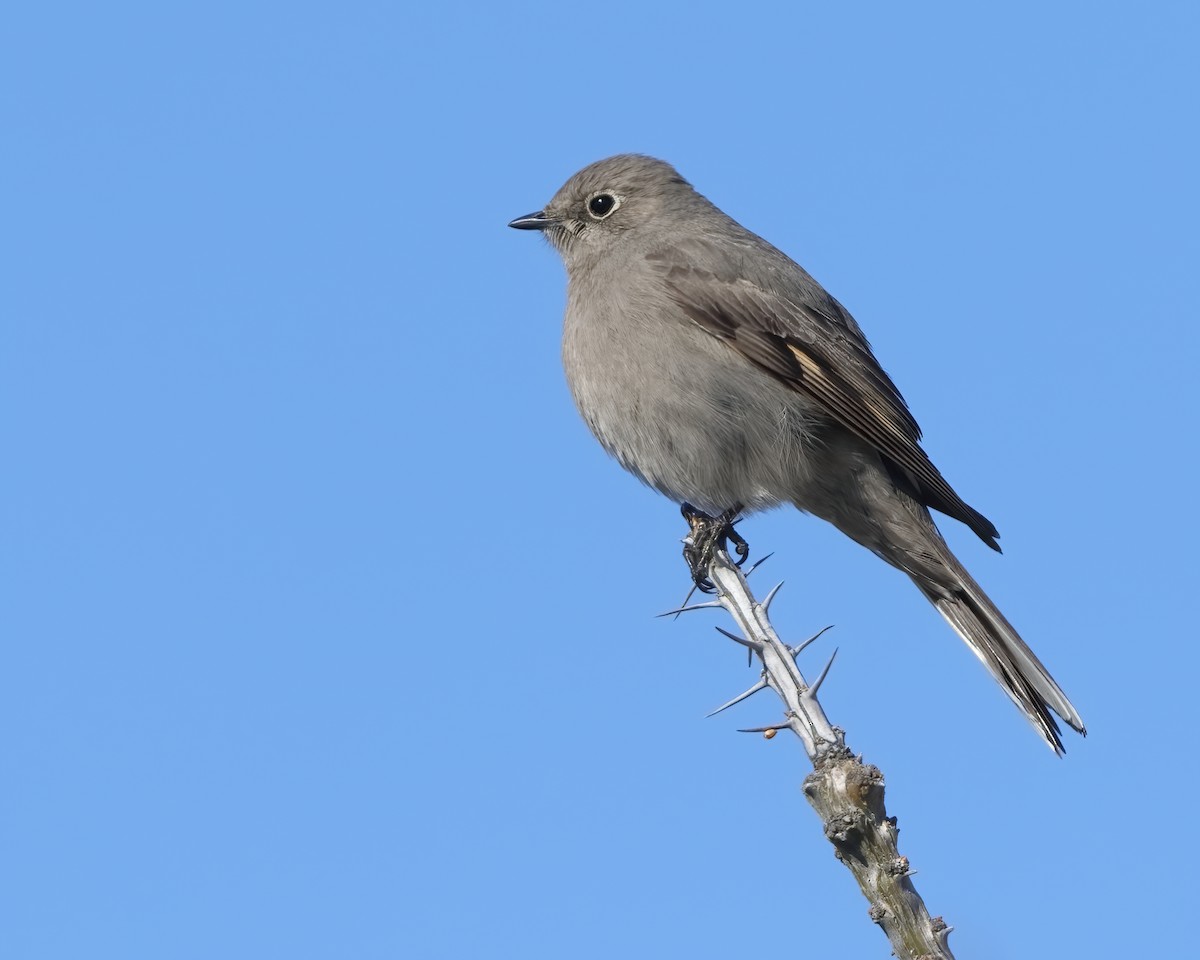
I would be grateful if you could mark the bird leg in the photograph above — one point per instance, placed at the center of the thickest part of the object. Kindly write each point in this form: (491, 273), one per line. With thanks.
(706, 535)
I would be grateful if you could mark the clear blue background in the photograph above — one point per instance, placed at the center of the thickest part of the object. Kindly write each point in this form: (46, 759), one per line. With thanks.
(327, 629)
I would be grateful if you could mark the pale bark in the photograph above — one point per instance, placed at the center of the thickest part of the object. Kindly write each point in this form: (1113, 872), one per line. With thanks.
(846, 793)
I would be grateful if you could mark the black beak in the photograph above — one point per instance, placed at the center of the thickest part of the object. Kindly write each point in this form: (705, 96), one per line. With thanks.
(533, 221)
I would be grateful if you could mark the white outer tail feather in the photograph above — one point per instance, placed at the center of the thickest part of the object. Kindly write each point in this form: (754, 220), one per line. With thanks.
(1000, 648)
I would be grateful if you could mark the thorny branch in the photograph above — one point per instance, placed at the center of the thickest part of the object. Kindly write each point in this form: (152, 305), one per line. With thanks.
(846, 793)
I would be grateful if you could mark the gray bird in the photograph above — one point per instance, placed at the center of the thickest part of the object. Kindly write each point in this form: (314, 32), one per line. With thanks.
(716, 370)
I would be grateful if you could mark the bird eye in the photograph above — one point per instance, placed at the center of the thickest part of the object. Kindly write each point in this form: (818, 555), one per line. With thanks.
(602, 205)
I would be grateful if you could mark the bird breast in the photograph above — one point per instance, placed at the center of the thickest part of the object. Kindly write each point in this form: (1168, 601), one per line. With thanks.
(679, 408)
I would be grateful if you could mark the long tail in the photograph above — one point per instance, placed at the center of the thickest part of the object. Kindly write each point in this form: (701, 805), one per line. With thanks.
(994, 641)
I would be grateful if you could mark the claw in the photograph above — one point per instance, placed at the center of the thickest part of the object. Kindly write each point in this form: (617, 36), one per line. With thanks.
(739, 542)
(707, 535)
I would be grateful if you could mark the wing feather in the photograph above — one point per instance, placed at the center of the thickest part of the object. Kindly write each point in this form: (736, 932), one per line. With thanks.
(807, 340)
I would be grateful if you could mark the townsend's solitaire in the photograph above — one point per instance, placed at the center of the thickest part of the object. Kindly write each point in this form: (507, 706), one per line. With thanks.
(719, 372)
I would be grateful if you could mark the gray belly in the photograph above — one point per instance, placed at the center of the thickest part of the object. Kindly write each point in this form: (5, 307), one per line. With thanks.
(687, 414)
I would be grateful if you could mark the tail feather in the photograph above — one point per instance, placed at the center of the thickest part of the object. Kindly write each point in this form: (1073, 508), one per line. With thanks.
(1008, 658)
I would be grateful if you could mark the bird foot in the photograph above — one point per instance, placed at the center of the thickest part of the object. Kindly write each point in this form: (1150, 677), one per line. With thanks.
(705, 537)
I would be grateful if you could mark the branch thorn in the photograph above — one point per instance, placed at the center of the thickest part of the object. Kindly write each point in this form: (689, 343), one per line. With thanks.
(694, 606)
(802, 646)
(766, 604)
(773, 728)
(812, 691)
(735, 638)
(761, 685)
(757, 563)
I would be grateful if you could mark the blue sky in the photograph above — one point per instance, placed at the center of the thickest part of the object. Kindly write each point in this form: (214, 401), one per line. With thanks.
(329, 632)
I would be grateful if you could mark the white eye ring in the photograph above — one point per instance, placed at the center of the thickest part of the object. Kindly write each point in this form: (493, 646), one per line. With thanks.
(601, 205)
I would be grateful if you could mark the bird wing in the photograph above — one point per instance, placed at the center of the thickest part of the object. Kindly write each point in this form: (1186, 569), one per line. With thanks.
(775, 315)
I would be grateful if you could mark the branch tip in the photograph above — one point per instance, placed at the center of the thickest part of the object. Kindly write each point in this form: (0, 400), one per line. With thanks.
(862, 834)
